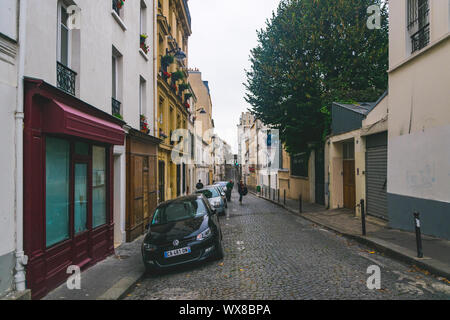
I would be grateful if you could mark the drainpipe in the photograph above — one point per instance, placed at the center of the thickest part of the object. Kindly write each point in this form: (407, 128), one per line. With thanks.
(155, 70)
(21, 258)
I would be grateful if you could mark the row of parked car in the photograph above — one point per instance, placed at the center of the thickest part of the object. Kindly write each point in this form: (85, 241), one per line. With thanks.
(186, 229)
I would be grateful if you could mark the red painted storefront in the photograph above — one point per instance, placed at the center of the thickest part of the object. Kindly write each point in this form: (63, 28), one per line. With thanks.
(51, 113)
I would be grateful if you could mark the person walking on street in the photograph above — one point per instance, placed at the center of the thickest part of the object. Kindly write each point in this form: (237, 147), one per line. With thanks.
(199, 185)
(242, 189)
(230, 186)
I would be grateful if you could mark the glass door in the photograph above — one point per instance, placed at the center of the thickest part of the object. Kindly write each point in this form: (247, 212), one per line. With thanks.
(80, 198)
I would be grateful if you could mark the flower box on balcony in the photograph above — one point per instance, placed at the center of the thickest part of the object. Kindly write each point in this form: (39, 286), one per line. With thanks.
(144, 125)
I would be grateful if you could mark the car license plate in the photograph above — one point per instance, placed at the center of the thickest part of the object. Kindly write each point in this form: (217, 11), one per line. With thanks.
(177, 252)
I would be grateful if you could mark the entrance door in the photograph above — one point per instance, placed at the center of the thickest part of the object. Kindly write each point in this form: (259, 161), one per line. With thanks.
(81, 213)
(349, 174)
(162, 177)
(320, 176)
(349, 184)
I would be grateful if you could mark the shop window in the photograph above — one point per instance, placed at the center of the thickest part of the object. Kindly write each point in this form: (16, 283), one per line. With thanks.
(57, 190)
(98, 186)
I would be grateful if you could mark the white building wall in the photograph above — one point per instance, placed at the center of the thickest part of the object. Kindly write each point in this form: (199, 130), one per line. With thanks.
(419, 123)
(8, 98)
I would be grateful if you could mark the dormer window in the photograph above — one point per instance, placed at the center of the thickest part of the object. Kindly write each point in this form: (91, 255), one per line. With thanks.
(419, 24)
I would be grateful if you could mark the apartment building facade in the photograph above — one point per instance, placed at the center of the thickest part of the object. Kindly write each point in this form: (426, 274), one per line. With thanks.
(173, 31)
(419, 116)
(83, 119)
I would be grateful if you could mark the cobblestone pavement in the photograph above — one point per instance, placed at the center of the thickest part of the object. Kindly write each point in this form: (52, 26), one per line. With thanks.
(272, 254)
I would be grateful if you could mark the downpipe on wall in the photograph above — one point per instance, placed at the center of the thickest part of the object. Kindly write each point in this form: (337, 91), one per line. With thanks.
(21, 258)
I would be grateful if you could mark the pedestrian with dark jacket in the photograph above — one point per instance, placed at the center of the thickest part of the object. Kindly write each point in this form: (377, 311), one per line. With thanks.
(230, 186)
(199, 185)
(242, 189)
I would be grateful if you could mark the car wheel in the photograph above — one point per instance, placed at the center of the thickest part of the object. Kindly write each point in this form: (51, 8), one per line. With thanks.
(219, 250)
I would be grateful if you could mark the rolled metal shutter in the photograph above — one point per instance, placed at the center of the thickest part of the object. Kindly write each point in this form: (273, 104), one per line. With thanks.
(376, 176)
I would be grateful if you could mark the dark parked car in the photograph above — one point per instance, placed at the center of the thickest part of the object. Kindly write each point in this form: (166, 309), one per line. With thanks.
(182, 230)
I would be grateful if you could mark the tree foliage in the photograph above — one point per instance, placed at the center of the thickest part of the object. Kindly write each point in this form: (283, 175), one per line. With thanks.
(311, 53)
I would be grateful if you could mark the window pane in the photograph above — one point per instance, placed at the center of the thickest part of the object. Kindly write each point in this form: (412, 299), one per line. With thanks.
(80, 198)
(57, 190)
(98, 186)
(64, 46)
(82, 148)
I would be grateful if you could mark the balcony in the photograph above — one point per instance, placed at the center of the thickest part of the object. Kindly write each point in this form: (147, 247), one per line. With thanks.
(420, 39)
(117, 5)
(65, 78)
(116, 108)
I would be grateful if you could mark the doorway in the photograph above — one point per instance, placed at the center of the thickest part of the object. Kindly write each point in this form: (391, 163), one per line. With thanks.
(349, 175)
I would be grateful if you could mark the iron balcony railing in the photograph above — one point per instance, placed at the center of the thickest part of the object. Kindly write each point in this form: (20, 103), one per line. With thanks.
(116, 107)
(115, 5)
(421, 38)
(66, 78)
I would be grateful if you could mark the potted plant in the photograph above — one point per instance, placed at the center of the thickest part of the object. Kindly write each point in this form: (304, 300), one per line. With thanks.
(187, 105)
(167, 60)
(177, 75)
(120, 4)
(162, 134)
(144, 124)
(118, 116)
(183, 87)
(143, 39)
(166, 74)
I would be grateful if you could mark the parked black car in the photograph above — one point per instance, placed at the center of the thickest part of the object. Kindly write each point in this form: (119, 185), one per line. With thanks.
(182, 230)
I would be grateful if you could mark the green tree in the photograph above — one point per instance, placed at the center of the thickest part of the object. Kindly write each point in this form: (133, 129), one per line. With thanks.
(311, 53)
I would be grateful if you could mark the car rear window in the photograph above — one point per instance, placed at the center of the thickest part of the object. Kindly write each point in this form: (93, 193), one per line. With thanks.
(179, 210)
(209, 193)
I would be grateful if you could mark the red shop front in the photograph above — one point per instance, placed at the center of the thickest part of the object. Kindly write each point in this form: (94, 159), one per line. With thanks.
(68, 184)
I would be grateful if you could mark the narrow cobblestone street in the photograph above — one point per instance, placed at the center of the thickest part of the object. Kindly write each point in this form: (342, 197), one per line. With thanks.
(273, 254)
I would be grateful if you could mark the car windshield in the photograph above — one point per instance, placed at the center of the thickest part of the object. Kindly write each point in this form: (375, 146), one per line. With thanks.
(179, 210)
(209, 193)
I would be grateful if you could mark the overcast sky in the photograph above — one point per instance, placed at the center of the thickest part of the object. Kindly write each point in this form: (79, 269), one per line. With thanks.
(223, 33)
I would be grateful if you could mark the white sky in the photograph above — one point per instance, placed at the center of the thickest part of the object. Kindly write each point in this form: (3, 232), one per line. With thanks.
(223, 33)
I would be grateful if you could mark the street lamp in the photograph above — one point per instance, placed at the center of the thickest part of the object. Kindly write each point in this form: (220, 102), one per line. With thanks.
(178, 54)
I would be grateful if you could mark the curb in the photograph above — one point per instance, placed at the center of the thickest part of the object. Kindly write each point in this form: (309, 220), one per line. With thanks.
(121, 288)
(397, 252)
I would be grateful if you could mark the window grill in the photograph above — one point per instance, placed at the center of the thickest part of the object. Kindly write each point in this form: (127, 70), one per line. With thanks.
(66, 78)
(115, 105)
(419, 23)
(115, 5)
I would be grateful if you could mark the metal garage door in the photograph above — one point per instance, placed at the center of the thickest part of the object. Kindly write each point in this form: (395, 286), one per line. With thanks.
(376, 175)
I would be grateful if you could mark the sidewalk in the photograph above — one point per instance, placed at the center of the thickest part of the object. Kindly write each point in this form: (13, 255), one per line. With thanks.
(110, 279)
(398, 244)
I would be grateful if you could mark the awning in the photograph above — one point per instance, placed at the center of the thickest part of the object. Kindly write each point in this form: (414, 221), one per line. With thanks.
(62, 119)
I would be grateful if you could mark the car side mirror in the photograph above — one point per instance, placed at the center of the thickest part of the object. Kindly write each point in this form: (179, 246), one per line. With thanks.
(214, 211)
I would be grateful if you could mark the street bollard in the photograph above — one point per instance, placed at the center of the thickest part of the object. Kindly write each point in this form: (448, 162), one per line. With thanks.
(273, 195)
(278, 195)
(284, 196)
(363, 217)
(300, 205)
(418, 235)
